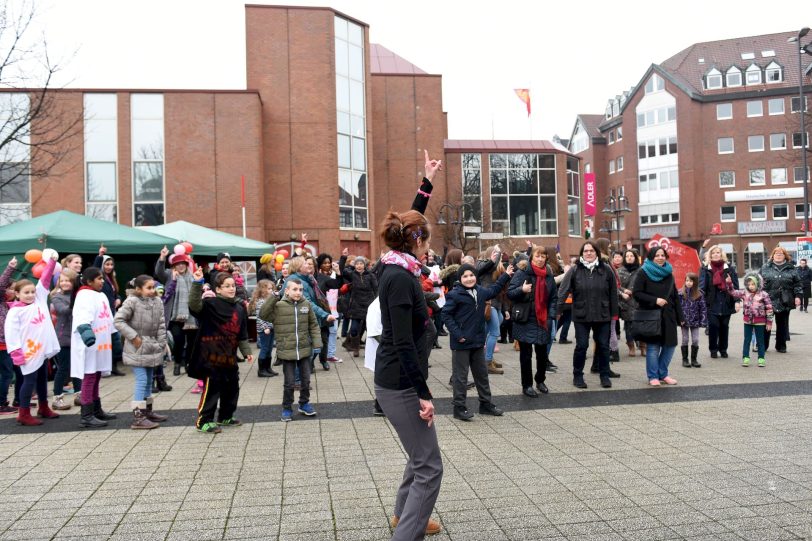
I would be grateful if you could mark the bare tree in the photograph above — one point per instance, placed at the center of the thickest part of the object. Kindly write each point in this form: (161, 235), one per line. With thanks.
(36, 130)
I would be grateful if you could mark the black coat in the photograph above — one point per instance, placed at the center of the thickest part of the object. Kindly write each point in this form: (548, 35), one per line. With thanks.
(782, 285)
(465, 318)
(594, 294)
(720, 302)
(363, 290)
(531, 332)
(646, 292)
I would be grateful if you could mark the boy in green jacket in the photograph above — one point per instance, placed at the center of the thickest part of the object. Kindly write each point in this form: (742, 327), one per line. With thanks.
(297, 334)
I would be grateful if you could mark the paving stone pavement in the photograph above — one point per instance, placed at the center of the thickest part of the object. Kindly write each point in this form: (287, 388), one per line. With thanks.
(723, 455)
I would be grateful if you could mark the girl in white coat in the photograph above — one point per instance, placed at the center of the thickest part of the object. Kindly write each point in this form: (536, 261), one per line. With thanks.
(30, 340)
(91, 345)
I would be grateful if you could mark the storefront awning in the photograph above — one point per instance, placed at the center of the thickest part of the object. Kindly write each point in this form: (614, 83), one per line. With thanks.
(755, 247)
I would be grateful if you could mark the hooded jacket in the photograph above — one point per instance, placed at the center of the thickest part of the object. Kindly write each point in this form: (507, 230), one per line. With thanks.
(464, 315)
(758, 306)
(296, 329)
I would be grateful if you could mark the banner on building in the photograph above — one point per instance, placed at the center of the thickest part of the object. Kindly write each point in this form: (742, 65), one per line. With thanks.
(589, 195)
(683, 258)
(804, 248)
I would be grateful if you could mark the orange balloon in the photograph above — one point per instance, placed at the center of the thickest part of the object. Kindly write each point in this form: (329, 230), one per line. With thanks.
(277, 266)
(33, 256)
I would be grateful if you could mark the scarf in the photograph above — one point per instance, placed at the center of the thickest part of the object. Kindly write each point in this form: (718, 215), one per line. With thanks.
(541, 294)
(718, 270)
(402, 259)
(590, 266)
(180, 302)
(655, 272)
(631, 267)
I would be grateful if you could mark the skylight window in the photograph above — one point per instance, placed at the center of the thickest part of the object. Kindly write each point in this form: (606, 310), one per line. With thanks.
(768, 54)
(748, 56)
(701, 60)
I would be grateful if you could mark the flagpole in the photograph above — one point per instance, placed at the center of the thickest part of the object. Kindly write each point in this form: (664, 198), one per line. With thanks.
(242, 197)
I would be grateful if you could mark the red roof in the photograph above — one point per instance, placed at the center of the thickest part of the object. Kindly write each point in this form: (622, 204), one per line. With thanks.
(384, 61)
(503, 145)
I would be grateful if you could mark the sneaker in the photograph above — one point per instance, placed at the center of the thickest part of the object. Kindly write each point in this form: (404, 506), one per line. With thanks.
(210, 428)
(565, 341)
(654, 382)
(762, 363)
(68, 390)
(230, 422)
(746, 362)
(307, 409)
(334, 360)
(5, 409)
(287, 415)
(668, 380)
(196, 390)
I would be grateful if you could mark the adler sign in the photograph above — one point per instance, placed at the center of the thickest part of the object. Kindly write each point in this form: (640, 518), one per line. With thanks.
(589, 191)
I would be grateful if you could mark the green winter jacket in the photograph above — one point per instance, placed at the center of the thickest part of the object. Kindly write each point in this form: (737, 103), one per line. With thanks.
(295, 326)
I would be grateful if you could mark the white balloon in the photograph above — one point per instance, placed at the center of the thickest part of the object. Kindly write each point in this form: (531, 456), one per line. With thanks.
(48, 253)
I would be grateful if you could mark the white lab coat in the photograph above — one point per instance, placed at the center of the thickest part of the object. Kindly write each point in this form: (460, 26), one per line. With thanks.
(91, 308)
(29, 328)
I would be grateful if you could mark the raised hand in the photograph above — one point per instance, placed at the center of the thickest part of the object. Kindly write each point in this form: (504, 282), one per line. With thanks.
(432, 166)
(13, 263)
(164, 253)
(102, 250)
(345, 252)
(198, 274)
(510, 270)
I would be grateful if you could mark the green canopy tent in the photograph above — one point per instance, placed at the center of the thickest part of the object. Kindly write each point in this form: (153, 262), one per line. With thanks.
(210, 242)
(68, 232)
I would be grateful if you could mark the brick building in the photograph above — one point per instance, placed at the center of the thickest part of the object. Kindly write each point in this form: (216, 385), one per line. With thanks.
(709, 136)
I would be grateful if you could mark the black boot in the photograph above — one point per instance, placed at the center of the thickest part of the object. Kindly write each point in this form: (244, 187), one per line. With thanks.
(162, 385)
(88, 420)
(264, 365)
(176, 368)
(685, 362)
(155, 388)
(614, 356)
(694, 353)
(99, 413)
(115, 371)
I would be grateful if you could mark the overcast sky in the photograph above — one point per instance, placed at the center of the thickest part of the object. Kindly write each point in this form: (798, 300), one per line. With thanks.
(572, 55)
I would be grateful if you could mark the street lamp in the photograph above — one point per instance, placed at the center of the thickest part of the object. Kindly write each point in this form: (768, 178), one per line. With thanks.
(616, 205)
(802, 107)
(456, 216)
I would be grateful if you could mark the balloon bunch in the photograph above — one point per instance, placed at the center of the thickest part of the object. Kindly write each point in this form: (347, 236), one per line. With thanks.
(40, 258)
(184, 248)
(278, 258)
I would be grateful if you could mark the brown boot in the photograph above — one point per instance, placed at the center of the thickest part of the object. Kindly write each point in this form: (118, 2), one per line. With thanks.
(493, 369)
(632, 352)
(140, 421)
(151, 415)
(355, 345)
(24, 418)
(433, 527)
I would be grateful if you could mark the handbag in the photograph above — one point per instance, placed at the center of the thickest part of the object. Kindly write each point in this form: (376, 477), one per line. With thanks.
(786, 298)
(520, 312)
(487, 310)
(647, 324)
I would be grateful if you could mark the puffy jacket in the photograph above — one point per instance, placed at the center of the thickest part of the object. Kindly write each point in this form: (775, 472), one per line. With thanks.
(757, 306)
(142, 317)
(465, 317)
(782, 285)
(363, 290)
(63, 317)
(531, 332)
(626, 306)
(719, 301)
(308, 289)
(695, 311)
(594, 293)
(805, 275)
(296, 327)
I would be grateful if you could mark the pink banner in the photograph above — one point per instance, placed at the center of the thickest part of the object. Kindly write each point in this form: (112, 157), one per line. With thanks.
(589, 194)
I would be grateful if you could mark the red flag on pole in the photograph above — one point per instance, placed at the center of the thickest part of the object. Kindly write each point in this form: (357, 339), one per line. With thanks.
(524, 95)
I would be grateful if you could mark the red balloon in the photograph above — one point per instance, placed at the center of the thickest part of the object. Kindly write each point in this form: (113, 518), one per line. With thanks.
(188, 246)
(283, 252)
(38, 268)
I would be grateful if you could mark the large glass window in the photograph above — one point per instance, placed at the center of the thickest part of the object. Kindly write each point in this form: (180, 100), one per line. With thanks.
(755, 108)
(15, 192)
(778, 141)
(15, 158)
(724, 111)
(472, 187)
(101, 156)
(775, 106)
(778, 175)
(147, 134)
(574, 197)
(757, 177)
(755, 143)
(725, 145)
(523, 191)
(353, 205)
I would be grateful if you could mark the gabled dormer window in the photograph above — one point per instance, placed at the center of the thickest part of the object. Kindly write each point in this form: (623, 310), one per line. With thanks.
(609, 109)
(753, 75)
(734, 77)
(655, 84)
(774, 73)
(713, 79)
(615, 108)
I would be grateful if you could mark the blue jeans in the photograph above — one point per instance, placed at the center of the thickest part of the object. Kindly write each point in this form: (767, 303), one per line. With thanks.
(143, 383)
(749, 331)
(265, 344)
(553, 326)
(657, 360)
(331, 342)
(493, 333)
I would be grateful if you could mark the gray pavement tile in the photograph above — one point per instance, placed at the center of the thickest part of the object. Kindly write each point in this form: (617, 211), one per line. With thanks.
(194, 535)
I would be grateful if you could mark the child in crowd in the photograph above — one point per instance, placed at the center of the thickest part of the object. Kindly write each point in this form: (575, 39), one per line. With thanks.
(62, 315)
(695, 315)
(265, 334)
(140, 321)
(91, 351)
(223, 330)
(464, 316)
(159, 383)
(8, 370)
(31, 340)
(757, 313)
(298, 334)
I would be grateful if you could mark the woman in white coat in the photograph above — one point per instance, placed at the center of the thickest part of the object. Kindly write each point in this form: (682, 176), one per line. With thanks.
(91, 345)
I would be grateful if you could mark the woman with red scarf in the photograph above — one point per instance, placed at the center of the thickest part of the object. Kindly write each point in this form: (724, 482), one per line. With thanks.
(535, 296)
(721, 304)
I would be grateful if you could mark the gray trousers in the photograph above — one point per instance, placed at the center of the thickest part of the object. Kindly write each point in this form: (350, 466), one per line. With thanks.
(424, 469)
(461, 360)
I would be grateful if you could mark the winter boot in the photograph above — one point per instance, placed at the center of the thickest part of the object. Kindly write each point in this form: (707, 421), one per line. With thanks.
(355, 345)
(685, 362)
(492, 369)
(45, 412)
(497, 365)
(632, 351)
(163, 386)
(151, 415)
(694, 353)
(88, 420)
(155, 389)
(176, 368)
(115, 371)
(24, 417)
(264, 368)
(60, 404)
(140, 421)
(614, 356)
(100, 413)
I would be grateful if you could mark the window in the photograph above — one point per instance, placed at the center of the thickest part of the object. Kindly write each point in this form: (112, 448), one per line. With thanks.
(795, 104)
(101, 156)
(727, 179)
(755, 108)
(798, 174)
(781, 211)
(523, 194)
(656, 116)
(728, 213)
(753, 75)
(778, 175)
(655, 84)
(620, 163)
(619, 133)
(611, 137)
(660, 213)
(773, 73)
(611, 167)
(353, 205)
(15, 191)
(573, 198)
(755, 143)
(754, 257)
(775, 106)
(758, 212)
(713, 80)
(672, 145)
(734, 77)
(724, 111)
(797, 141)
(778, 141)
(725, 145)
(472, 187)
(147, 139)
(799, 211)
(757, 177)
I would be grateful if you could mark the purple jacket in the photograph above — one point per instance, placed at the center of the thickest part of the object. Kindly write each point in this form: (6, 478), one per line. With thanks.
(5, 282)
(694, 312)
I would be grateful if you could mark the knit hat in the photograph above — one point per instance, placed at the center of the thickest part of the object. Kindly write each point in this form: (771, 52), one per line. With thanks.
(223, 255)
(174, 259)
(359, 259)
(463, 269)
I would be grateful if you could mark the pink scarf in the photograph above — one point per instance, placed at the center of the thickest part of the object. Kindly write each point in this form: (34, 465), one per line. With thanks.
(402, 259)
